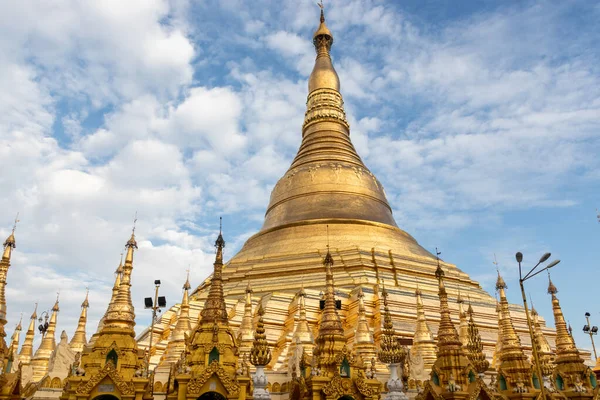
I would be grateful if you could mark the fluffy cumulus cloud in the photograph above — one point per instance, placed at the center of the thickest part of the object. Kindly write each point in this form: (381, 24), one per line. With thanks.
(182, 112)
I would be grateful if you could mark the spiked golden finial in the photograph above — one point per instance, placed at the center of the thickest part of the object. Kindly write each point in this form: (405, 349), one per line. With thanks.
(475, 347)
(390, 351)
(260, 353)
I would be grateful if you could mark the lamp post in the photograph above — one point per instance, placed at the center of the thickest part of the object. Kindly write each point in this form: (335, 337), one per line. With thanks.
(591, 330)
(530, 274)
(159, 302)
(43, 327)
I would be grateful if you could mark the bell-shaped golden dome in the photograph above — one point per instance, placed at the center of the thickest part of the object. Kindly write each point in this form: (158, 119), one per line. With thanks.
(327, 182)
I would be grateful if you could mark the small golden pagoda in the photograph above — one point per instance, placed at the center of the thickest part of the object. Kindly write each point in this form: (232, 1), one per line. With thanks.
(453, 376)
(113, 299)
(392, 354)
(364, 342)
(423, 348)
(41, 358)
(26, 353)
(9, 245)
(463, 330)
(572, 377)
(210, 361)
(474, 346)
(246, 332)
(335, 371)
(545, 353)
(177, 345)
(79, 339)
(515, 377)
(13, 350)
(10, 382)
(260, 356)
(112, 364)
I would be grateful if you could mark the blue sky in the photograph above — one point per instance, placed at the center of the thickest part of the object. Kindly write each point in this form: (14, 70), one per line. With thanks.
(480, 119)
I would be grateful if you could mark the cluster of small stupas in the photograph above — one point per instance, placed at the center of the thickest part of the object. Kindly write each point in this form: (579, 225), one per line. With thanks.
(329, 300)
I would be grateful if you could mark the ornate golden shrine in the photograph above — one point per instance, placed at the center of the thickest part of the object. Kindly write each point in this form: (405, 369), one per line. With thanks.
(113, 364)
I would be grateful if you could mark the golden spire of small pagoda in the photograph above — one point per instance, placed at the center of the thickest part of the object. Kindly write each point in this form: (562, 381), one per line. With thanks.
(13, 351)
(330, 340)
(120, 312)
(114, 350)
(390, 351)
(475, 347)
(41, 358)
(545, 353)
(569, 364)
(113, 298)
(515, 368)
(26, 352)
(9, 244)
(79, 339)
(215, 309)
(246, 332)
(183, 327)
(364, 344)
(452, 364)
(302, 335)
(423, 342)
(463, 330)
(260, 355)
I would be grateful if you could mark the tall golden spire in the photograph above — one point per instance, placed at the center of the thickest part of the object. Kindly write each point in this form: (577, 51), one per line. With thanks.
(246, 332)
(9, 244)
(26, 352)
(302, 335)
(42, 355)
(79, 340)
(214, 308)
(260, 353)
(423, 343)
(13, 351)
(120, 313)
(176, 344)
(475, 347)
(569, 364)
(545, 353)
(364, 344)
(452, 365)
(514, 368)
(330, 341)
(113, 299)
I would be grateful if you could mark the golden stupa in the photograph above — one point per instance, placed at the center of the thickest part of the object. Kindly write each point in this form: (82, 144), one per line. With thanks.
(329, 197)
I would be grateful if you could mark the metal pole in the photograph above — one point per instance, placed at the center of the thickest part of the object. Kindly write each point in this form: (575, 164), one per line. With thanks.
(538, 367)
(154, 308)
(591, 337)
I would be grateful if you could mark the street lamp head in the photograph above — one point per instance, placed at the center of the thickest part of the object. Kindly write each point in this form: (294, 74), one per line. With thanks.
(545, 257)
(552, 264)
(586, 328)
(157, 282)
(148, 302)
(594, 330)
(587, 314)
(519, 257)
